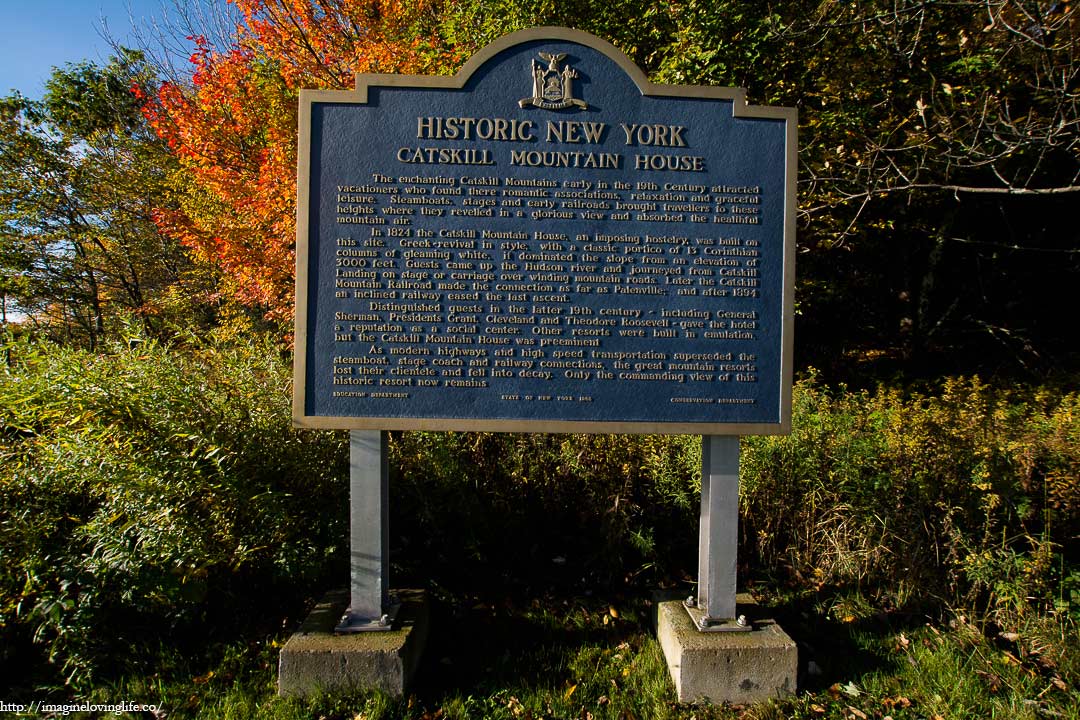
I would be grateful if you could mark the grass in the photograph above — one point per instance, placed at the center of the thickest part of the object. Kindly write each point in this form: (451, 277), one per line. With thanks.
(583, 657)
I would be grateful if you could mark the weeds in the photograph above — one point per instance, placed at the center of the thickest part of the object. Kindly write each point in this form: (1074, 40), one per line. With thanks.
(146, 493)
(149, 497)
(957, 495)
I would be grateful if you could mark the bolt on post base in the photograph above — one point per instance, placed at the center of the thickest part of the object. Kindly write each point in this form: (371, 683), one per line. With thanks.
(354, 624)
(704, 623)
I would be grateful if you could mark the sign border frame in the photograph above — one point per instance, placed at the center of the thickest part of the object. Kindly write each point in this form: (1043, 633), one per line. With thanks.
(359, 96)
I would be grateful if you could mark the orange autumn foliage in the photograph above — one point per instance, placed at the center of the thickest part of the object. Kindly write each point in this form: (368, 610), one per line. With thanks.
(234, 127)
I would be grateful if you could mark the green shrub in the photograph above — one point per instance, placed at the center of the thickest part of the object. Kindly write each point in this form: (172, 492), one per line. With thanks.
(967, 496)
(146, 494)
(545, 510)
(152, 495)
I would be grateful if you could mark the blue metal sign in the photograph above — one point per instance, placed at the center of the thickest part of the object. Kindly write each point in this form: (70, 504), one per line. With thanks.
(545, 242)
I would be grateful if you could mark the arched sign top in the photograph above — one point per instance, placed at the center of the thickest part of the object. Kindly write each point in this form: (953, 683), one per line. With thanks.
(551, 33)
(546, 241)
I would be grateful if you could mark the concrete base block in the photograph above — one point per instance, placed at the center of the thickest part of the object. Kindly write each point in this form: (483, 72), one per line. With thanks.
(315, 658)
(727, 667)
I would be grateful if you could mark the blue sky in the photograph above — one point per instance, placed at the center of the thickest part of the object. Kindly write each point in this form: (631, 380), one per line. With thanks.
(41, 34)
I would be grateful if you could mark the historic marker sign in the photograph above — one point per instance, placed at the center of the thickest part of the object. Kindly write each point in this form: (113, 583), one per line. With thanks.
(545, 242)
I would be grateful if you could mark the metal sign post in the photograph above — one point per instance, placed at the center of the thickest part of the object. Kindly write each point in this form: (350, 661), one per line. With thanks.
(713, 610)
(371, 608)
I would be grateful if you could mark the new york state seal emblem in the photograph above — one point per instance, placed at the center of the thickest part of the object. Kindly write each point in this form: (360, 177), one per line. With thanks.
(553, 86)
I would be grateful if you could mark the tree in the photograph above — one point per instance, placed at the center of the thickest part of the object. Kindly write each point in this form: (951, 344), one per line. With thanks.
(233, 128)
(81, 176)
(939, 161)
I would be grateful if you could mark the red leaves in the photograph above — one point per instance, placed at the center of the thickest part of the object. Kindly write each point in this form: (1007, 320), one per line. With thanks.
(234, 128)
